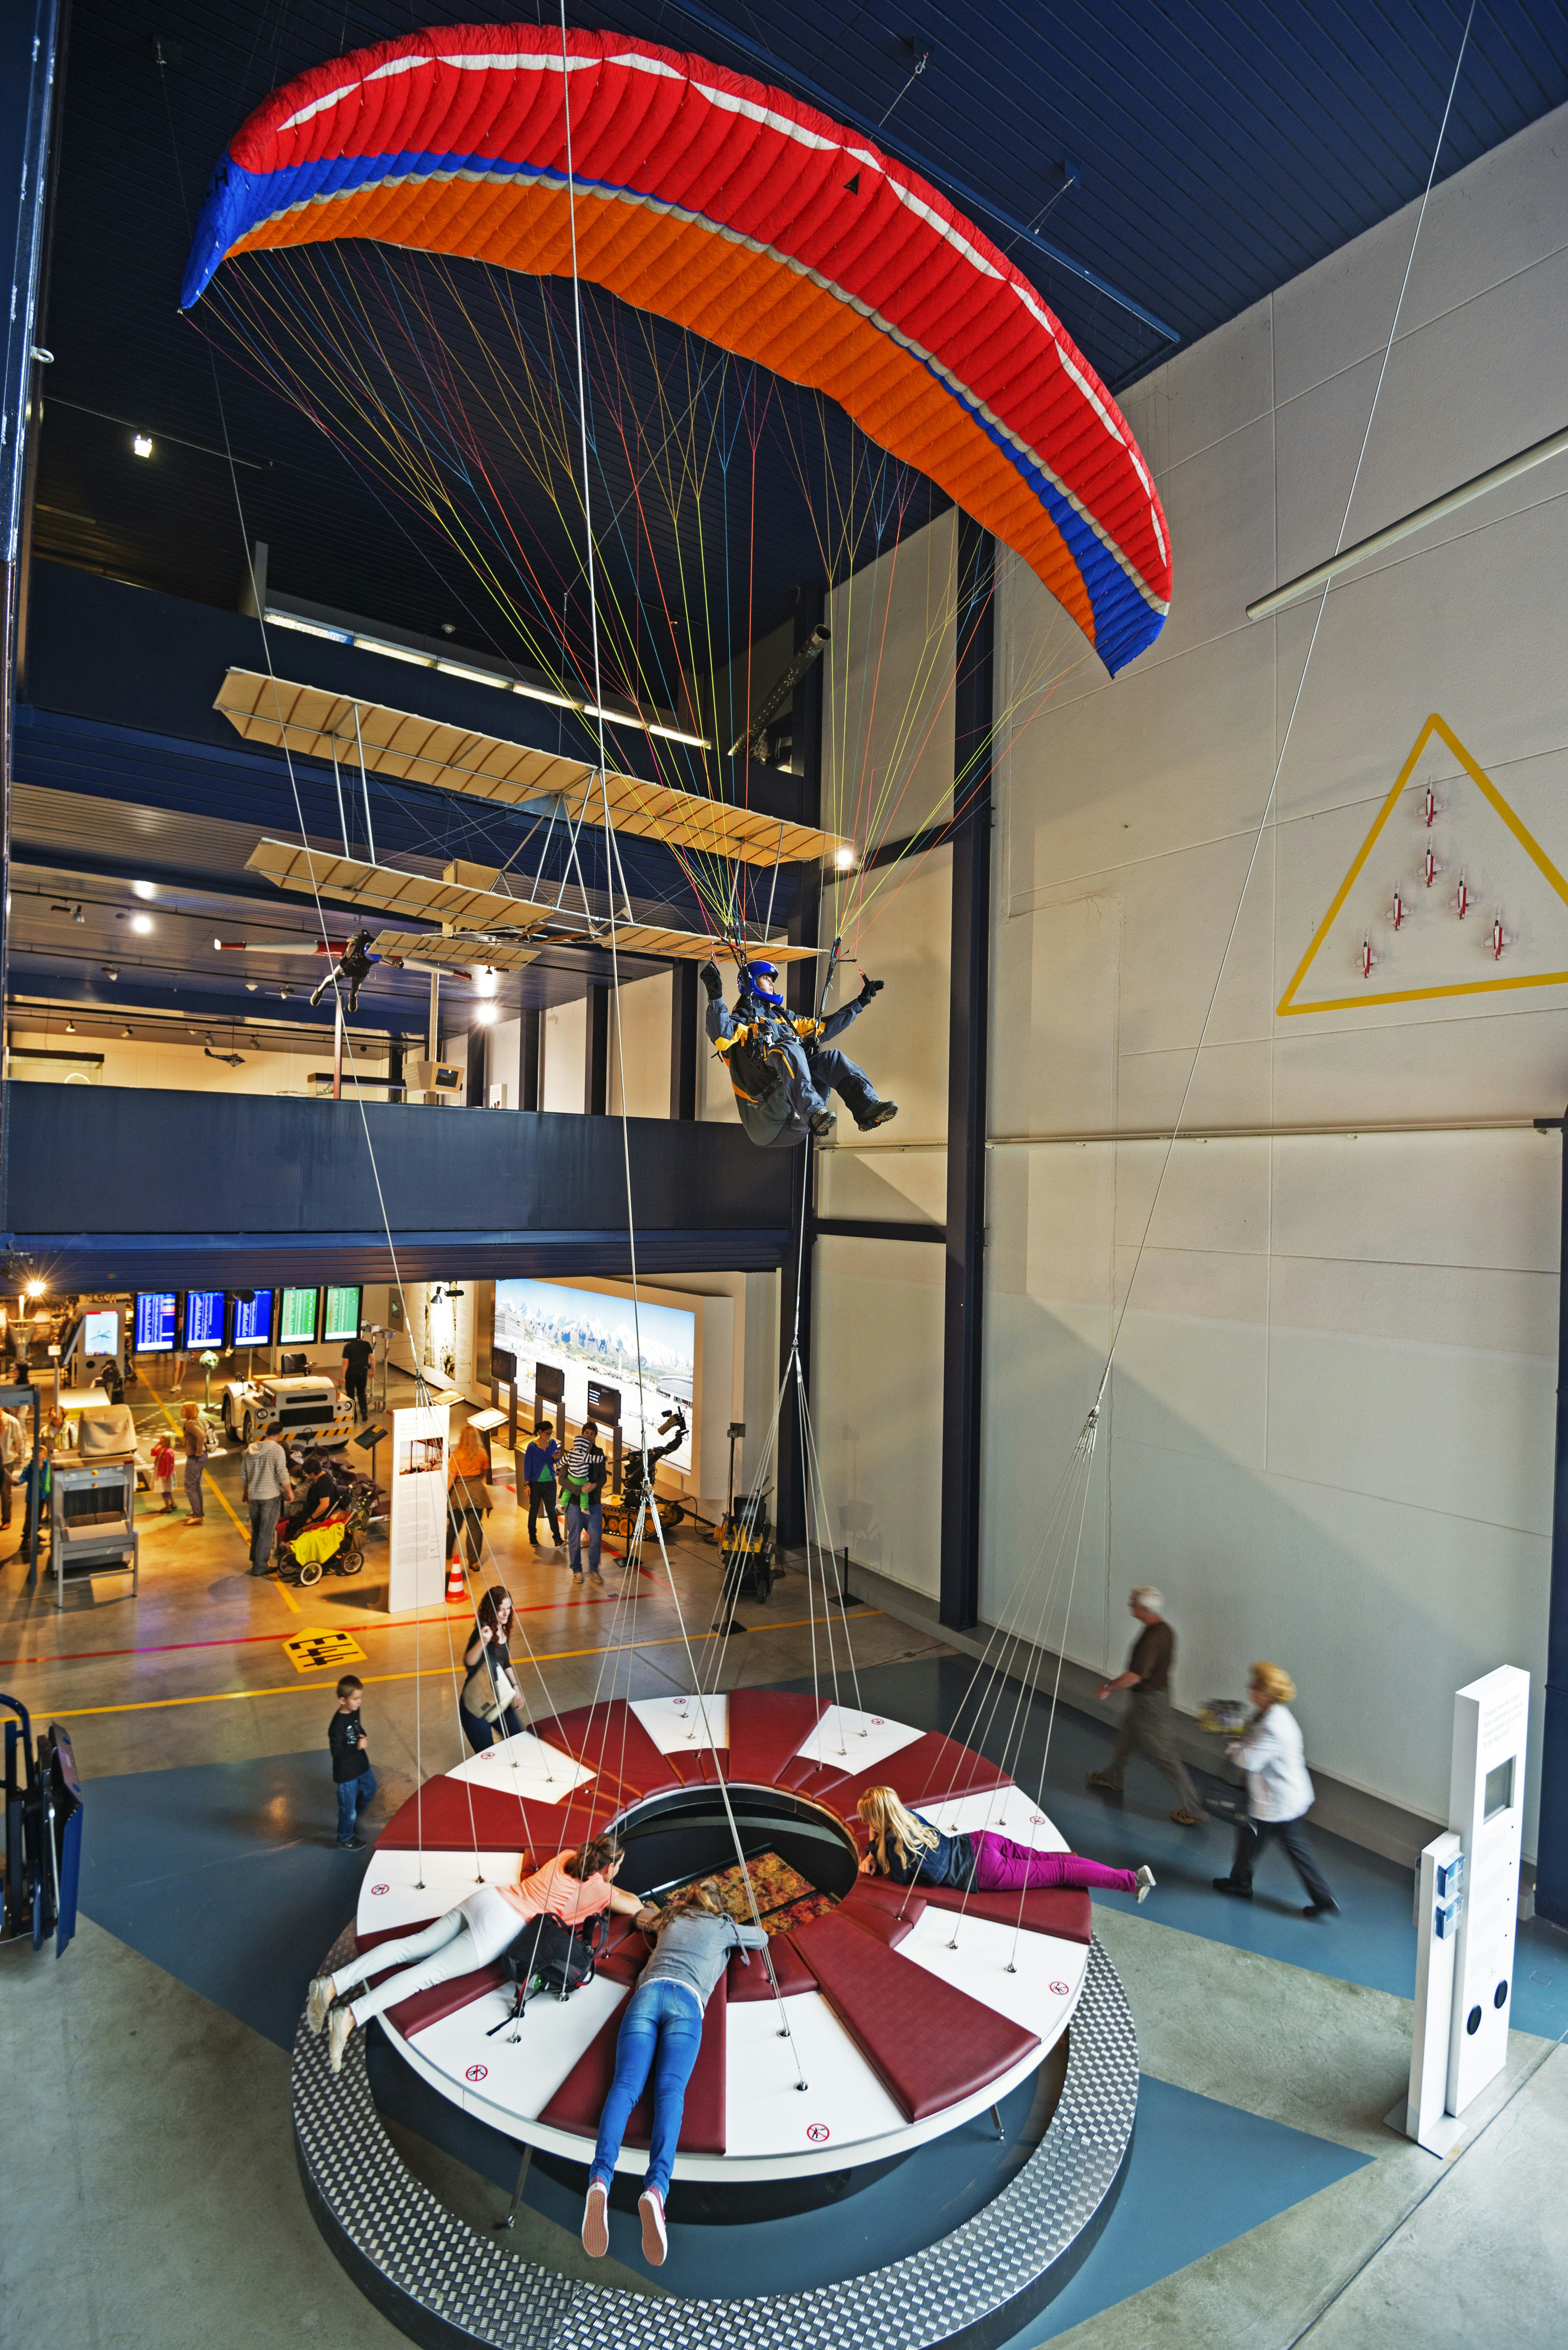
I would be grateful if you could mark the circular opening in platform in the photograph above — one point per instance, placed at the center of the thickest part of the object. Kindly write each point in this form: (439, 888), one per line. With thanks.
(686, 1832)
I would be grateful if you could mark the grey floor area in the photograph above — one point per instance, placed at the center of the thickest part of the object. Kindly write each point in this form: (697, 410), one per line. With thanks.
(154, 2203)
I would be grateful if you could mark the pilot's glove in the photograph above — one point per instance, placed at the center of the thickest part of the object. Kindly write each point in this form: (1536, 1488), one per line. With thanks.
(869, 988)
(712, 980)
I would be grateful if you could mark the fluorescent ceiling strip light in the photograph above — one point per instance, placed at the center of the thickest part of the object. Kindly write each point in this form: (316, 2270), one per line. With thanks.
(475, 676)
(394, 653)
(310, 628)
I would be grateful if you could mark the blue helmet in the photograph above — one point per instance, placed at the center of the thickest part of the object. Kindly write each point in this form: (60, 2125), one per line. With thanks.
(761, 980)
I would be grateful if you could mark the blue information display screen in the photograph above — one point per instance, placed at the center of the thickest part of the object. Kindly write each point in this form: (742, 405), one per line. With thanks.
(203, 1317)
(253, 1322)
(155, 1321)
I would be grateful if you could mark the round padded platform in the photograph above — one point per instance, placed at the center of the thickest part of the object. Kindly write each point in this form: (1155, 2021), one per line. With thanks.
(445, 2285)
(905, 2019)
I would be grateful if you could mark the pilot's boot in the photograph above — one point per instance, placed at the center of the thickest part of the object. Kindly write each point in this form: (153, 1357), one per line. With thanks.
(878, 1114)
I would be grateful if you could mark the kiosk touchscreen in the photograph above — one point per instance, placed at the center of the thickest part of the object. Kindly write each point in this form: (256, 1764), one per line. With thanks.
(251, 1313)
(156, 1320)
(100, 1331)
(203, 1318)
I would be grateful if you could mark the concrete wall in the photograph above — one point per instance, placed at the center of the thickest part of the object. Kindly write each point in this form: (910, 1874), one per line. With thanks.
(181, 1067)
(639, 1044)
(1330, 1432)
(564, 1083)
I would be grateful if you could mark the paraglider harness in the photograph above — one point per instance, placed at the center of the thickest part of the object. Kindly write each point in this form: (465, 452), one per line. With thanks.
(757, 1064)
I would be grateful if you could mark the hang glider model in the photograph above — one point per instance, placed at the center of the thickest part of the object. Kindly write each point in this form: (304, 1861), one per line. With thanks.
(479, 919)
(744, 216)
(307, 721)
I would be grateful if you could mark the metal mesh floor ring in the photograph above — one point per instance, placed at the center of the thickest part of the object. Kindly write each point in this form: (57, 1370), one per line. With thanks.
(439, 2280)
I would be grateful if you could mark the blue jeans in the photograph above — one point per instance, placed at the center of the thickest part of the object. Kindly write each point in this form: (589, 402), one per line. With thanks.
(661, 2030)
(481, 1734)
(353, 1794)
(594, 1517)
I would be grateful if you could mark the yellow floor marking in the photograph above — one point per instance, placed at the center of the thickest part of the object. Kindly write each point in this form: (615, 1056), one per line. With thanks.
(309, 1652)
(211, 1482)
(431, 1673)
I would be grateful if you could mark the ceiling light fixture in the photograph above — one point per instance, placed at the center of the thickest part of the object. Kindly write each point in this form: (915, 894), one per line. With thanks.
(70, 1028)
(540, 694)
(474, 676)
(844, 857)
(144, 888)
(125, 1031)
(141, 443)
(310, 628)
(142, 923)
(393, 652)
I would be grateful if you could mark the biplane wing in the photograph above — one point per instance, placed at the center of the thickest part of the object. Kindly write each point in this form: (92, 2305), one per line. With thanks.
(317, 725)
(483, 922)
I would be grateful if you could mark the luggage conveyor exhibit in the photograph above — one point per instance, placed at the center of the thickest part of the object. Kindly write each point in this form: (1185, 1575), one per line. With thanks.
(911, 2013)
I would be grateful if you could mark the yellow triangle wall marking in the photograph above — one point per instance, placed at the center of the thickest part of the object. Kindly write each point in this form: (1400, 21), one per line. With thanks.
(1533, 849)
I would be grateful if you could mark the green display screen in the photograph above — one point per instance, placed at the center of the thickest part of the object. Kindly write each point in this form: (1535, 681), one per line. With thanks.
(298, 1318)
(342, 1315)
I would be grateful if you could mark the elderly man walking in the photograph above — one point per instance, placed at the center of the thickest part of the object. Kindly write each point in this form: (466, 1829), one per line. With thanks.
(1148, 1725)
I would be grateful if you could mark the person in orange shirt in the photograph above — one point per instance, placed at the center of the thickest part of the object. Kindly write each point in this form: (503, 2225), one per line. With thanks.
(573, 1888)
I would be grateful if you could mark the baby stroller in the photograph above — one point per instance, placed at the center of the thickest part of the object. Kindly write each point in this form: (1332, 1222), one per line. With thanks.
(333, 1544)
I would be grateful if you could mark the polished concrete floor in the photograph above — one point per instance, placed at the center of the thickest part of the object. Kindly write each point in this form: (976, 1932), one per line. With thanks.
(147, 2071)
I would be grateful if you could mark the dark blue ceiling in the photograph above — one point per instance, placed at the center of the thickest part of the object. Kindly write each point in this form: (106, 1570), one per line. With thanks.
(1193, 157)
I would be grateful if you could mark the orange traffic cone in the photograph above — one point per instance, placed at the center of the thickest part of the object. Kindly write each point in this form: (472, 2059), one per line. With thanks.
(454, 1579)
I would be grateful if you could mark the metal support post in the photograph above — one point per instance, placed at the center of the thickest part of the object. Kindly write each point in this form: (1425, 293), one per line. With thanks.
(968, 1038)
(1551, 1836)
(801, 990)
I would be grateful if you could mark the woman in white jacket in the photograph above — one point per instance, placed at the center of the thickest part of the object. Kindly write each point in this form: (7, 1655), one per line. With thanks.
(1279, 1792)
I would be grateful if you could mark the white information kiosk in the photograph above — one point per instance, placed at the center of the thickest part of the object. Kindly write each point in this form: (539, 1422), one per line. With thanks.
(1465, 1913)
(417, 1574)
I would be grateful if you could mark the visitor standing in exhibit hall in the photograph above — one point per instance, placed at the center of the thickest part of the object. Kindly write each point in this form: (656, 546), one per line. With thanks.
(357, 1356)
(15, 1447)
(467, 1494)
(583, 1475)
(266, 1485)
(1148, 1725)
(194, 1438)
(539, 1476)
(1280, 1792)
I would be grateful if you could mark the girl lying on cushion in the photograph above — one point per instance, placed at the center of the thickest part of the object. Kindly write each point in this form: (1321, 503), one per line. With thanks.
(661, 2031)
(573, 1888)
(908, 1849)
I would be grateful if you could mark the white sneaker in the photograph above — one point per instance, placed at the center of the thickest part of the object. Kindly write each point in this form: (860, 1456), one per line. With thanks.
(595, 2226)
(319, 2002)
(1145, 1882)
(655, 2243)
(339, 2031)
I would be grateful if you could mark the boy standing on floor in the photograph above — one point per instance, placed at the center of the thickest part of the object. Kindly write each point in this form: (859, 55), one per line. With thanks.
(355, 1781)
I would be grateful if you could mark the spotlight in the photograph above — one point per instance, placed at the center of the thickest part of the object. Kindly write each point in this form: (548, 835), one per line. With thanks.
(125, 1031)
(70, 1028)
(251, 986)
(144, 888)
(484, 1014)
(36, 1288)
(108, 974)
(141, 443)
(844, 857)
(141, 924)
(78, 916)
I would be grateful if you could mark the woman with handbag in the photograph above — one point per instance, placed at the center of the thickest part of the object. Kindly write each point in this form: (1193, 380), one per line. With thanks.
(571, 1889)
(488, 1706)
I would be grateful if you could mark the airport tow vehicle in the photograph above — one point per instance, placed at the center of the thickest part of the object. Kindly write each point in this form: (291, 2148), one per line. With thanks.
(296, 1407)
